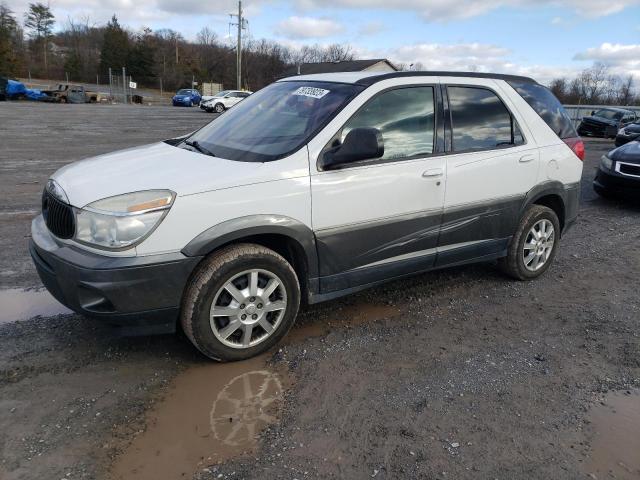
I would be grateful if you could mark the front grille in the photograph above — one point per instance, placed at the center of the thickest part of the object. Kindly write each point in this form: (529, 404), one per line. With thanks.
(628, 169)
(595, 128)
(58, 216)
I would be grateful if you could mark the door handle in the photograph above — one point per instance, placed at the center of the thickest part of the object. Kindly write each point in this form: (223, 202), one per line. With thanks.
(434, 172)
(527, 158)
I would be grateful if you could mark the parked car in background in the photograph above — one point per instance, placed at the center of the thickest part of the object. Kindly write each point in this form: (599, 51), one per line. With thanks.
(606, 122)
(224, 100)
(628, 134)
(217, 229)
(69, 93)
(186, 97)
(3, 88)
(619, 172)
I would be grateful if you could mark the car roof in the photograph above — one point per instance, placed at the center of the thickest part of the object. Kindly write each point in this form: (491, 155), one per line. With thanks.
(616, 109)
(371, 77)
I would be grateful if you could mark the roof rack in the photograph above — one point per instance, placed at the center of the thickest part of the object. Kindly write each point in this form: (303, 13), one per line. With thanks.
(370, 80)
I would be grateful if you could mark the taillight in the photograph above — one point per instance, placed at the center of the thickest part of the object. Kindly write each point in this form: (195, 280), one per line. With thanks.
(576, 145)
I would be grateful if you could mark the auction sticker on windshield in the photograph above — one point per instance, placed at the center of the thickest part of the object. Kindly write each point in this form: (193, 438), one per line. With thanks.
(311, 92)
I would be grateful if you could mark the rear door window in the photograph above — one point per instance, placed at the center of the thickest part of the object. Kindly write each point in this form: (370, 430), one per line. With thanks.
(547, 106)
(480, 121)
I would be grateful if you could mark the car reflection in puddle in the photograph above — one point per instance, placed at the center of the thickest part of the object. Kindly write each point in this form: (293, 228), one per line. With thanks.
(241, 410)
(212, 413)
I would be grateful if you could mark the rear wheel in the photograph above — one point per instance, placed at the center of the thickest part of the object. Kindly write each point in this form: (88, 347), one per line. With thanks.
(534, 245)
(240, 302)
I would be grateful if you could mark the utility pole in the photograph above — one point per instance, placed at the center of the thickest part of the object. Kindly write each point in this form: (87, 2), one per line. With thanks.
(124, 86)
(242, 25)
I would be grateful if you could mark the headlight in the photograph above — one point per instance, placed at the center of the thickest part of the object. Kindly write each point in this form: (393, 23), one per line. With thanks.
(606, 163)
(622, 132)
(123, 221)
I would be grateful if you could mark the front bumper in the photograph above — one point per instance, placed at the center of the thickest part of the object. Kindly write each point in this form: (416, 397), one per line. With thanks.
(596, 130)
(614, 182)
(140, 293)
(624, 139)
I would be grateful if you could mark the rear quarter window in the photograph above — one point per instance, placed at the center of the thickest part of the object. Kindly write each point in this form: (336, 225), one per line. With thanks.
(547, 106)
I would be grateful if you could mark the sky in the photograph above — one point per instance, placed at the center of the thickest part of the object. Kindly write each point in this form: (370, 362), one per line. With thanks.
(543, 39)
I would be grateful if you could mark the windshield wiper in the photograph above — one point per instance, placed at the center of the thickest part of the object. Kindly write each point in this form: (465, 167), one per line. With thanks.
(195, 144)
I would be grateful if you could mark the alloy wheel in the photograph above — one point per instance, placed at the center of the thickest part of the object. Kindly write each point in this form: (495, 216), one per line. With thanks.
(248, 308)
(538, 245)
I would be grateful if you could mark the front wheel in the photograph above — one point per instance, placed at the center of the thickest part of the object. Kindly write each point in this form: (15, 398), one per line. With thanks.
(240, 302)
(219, 108)
(534, 245)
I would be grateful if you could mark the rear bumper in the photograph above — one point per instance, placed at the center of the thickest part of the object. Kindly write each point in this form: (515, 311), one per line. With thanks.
(142, 293)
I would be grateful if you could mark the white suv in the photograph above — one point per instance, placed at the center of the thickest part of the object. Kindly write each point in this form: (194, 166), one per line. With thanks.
(314, 187)
(224, 100)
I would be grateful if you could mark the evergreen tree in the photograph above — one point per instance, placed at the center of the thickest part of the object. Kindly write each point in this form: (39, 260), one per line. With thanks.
(10, 41)
(39, 22)
(115, 47)
(142, 56)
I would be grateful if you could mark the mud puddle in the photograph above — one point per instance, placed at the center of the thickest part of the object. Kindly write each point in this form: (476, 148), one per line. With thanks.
(349, 316)
(616, 444)
(17, 304)
(215, 412)
(210, 414)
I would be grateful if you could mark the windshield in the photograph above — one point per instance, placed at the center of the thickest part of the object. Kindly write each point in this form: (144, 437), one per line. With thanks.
(608, 114)
(274, 122)
(222, 93)
(183, 92)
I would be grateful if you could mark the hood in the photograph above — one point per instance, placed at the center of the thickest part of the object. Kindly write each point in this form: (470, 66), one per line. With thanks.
(601, 120)
(633, 128)
(629, 153)
(154, 166)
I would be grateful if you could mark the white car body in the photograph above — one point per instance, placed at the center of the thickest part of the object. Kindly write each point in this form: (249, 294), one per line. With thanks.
(228, 100)
(356, 226)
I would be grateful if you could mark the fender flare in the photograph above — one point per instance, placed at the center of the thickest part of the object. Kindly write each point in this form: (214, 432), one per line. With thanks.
(569, 195)
(251, 225)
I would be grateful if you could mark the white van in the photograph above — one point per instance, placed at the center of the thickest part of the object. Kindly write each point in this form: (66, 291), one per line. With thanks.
(312, 188)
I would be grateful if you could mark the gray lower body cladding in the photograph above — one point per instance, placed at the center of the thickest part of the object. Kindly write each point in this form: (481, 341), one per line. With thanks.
(141, 293)
(355, 256)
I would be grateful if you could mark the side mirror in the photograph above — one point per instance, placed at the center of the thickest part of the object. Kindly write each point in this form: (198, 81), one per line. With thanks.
(359, 144)
(593, 112)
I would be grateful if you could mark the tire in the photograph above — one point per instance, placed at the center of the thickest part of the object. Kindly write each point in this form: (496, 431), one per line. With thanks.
(514, 263)
(219, 108)
(207, 293)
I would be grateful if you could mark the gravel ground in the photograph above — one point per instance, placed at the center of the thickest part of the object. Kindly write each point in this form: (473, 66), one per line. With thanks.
(459, 374)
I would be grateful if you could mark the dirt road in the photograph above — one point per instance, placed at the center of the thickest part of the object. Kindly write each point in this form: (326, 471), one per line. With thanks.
(457, 374)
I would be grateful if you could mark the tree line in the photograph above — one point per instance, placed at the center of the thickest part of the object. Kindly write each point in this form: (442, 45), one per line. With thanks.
(84, 51)
(596, 86)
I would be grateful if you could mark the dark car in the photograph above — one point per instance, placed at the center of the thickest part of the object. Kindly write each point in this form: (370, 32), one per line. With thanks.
(619, 172)
(628, 134)
(3, 88)
(186, 97)
(606, 122)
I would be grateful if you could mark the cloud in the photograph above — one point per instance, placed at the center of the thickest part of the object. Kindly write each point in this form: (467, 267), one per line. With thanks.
(371, 28)
(308, 27)
(444, 10)
(468, 57)
(621, 59)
